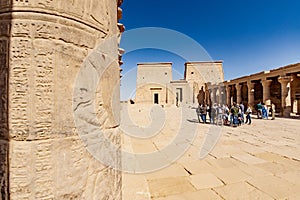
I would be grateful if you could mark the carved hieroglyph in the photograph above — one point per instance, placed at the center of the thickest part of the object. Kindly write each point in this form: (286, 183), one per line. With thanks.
(43, 44)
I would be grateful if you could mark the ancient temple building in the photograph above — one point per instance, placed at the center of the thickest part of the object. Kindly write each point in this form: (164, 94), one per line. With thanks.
(43, 46)
(156, 86)
(279, 86)
(200, 75)
(153, 83)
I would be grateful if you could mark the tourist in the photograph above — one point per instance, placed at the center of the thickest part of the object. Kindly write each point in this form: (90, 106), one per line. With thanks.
(242, 107)
(264, 112)
(226, 114)
(213, 113)
(259, 107)
(273, 110)
(239, 115)
(220, 112)
(208, 110)
(203, 113)
(234, 114)
(248, 114)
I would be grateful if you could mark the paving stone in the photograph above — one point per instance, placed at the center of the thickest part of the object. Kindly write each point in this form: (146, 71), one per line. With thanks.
(134, 187)
(292, 197)
(225, 152)
(222, 163)
(291, 164)
(254, 171)
(291, 176)
(249, 159)
(169, 186)
(197, 167)
(199, 195)
(231, 175)
(203, 181)
(241, 191)
(250, 149)
(271, 157)
(274, 168)
(174, 170)
(143, 146)
(276, 187)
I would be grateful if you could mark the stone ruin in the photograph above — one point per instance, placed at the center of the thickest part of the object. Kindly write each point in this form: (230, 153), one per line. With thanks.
(43, 45)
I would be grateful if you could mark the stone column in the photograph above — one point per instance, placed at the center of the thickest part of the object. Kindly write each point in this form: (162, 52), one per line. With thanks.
(295, 102)
(285, 95)
(266, 91)
(228, 96)
(238, 93)
(52, 54)
(250, 86)
(221, 92)
(212, 95)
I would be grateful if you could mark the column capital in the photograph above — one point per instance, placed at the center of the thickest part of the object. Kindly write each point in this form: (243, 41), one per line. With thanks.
(284, 79)
(250, 85)
(238, 86)
(266, 82)
(228, 88)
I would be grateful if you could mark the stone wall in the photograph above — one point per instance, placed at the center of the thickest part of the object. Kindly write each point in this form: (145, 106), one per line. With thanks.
(199, 73)
(43, 45)
(154, 78)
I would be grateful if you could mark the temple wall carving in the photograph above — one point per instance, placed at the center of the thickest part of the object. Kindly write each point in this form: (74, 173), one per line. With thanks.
(43, 45)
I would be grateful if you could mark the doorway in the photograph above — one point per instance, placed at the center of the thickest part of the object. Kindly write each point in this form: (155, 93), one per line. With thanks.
(155, 98)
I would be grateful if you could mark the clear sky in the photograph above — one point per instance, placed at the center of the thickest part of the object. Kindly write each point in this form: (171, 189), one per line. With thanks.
(249, 36)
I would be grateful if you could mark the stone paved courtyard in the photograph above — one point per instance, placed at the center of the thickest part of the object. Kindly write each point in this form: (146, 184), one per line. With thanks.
(258, 161)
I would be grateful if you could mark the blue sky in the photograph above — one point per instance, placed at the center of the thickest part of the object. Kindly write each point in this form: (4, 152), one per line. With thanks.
(249, 36)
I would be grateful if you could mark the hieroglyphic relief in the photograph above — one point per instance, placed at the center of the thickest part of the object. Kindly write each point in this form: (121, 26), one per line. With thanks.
(43, 86)
(48, 43)
(19, 81)
(19, 93)
(20, 165)
(44, 170)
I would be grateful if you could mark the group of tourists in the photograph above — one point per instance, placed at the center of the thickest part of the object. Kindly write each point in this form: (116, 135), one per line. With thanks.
(236, 115)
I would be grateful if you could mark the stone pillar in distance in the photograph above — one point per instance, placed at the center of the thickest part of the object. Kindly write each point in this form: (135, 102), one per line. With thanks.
(228, 96)
(285, 95)
(238, 93)
(266, 91)
(221, 92)
(250, 93)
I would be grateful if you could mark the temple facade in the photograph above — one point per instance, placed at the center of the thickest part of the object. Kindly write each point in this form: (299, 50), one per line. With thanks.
(156, 86)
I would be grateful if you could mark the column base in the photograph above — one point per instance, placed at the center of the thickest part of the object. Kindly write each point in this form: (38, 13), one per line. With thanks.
(286, 112)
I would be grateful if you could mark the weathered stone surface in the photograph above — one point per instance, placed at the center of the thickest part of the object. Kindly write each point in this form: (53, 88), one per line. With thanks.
(43, 47)
(205, 181)
(241, 191)
(200, 194)
(169, 186)
(275, 187)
